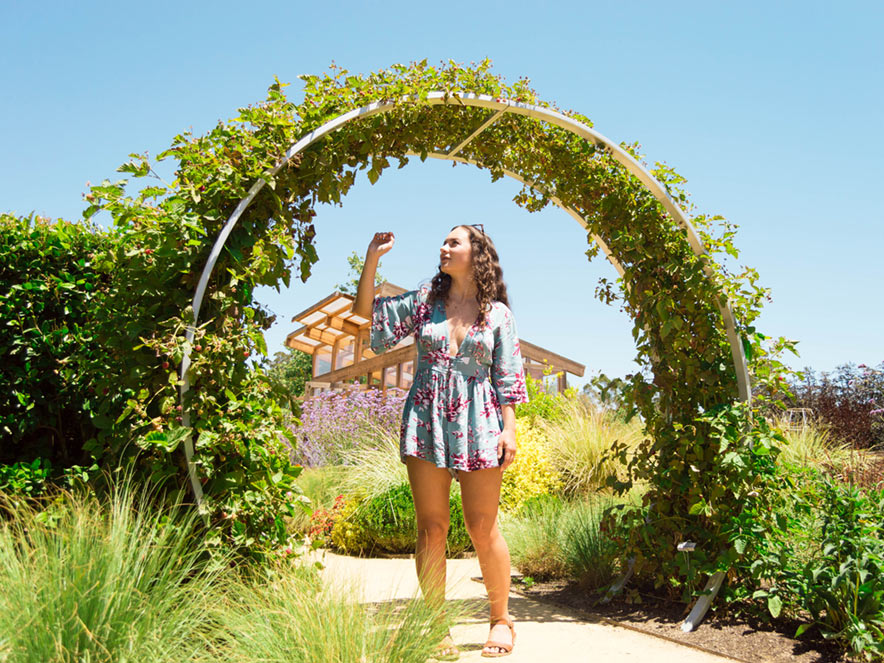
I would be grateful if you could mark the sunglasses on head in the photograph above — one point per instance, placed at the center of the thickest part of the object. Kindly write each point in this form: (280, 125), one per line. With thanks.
(479, 226)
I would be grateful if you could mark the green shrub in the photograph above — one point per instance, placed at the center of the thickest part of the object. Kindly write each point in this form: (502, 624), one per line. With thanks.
(386, 523)
(390, 521)
(531, 473)
(27, 479)
(843, 587)
(541, 403)
(53, 274)
(824, 559)
(348, 534)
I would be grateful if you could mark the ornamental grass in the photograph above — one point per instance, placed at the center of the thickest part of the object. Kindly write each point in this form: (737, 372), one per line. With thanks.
(551, 538)
(813, 445)
(286, 620)
(579, 442)
(102, 581)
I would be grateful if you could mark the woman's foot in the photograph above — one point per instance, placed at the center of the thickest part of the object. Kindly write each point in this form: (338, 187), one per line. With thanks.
(446, 650)
(501, 638)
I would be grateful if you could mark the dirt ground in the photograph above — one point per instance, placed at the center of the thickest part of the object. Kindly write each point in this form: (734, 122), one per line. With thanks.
(718, 633)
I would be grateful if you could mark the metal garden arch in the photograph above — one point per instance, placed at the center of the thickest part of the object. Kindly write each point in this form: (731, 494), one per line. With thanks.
(501, 106)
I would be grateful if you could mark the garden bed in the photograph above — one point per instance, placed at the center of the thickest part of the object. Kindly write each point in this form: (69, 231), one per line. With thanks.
(738, 638)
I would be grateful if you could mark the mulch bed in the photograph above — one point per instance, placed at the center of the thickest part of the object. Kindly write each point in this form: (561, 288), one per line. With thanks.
(719, 633)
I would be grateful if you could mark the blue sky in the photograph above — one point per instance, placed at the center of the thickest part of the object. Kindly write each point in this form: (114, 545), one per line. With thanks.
(772, 111)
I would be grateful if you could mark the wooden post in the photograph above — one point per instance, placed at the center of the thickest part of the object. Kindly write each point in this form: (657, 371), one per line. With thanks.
(334, 354)
(399, 375)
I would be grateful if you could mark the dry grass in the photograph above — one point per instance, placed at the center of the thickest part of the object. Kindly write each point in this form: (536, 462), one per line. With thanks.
(579, 445)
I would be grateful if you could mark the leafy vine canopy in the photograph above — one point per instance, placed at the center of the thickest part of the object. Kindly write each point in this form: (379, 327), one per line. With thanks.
(673, 295)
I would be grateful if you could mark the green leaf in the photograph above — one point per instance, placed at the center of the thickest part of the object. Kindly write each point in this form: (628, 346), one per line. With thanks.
(774, 605)
(697, 507)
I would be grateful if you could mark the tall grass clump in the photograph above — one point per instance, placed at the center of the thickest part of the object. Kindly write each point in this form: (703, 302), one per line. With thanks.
(579, 442)
(284, 619)
(102, 581)
(374, 466)
(550, 538)
(812, 445)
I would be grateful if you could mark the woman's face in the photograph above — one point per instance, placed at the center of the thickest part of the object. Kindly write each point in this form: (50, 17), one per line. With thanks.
(456, 253)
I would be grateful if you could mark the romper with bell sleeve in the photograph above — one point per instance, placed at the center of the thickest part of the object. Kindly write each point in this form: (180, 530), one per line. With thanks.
(452, 415)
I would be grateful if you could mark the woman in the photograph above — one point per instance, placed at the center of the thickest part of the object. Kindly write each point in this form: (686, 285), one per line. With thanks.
(459, 418)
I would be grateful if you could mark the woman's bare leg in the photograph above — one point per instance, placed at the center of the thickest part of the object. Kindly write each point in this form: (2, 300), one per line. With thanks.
(481, 495)
(430, 486)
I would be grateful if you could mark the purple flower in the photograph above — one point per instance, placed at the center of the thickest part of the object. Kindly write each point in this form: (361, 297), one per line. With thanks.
(334, 424)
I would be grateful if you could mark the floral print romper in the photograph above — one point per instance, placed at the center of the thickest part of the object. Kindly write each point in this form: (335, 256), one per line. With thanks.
(452, 414)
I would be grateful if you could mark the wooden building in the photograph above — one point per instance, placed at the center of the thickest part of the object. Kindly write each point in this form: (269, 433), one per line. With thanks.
(338, 341)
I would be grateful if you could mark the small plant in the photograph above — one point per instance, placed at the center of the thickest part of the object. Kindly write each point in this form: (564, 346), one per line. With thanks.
(322, 522)
(541, 403)
(26, 479)
(843, 586)
(386, 523)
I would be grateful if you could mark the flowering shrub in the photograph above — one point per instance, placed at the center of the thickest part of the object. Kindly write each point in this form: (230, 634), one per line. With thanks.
(850, 400)
(335, 424)
(323, 520)
(531, 473)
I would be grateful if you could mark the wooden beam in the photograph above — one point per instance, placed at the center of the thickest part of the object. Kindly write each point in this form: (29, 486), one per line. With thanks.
(344, 325)
(539, 354)
(318, 305)
(372, 365)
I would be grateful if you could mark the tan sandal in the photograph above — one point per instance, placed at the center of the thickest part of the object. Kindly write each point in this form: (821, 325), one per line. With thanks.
(447, 645)
(507, 647)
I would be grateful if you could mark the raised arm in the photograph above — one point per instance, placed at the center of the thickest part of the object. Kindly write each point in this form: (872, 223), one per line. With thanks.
(379, 245)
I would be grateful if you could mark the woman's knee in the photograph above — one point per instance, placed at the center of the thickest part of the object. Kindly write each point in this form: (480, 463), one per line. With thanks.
(481, 527)
(433, 528)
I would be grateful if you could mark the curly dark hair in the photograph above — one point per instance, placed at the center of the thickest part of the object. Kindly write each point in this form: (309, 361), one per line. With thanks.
(487, 275)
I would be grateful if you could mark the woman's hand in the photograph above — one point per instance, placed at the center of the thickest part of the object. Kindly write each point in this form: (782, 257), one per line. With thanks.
(380, 244)
(506, 448)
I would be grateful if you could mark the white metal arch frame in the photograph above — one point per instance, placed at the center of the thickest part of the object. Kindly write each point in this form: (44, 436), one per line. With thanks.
(502, 106)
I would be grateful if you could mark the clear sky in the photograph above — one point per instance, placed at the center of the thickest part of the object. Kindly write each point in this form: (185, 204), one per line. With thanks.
(771, 110)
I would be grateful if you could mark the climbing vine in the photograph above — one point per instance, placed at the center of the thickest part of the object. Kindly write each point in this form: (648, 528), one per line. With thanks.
(706, 456)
